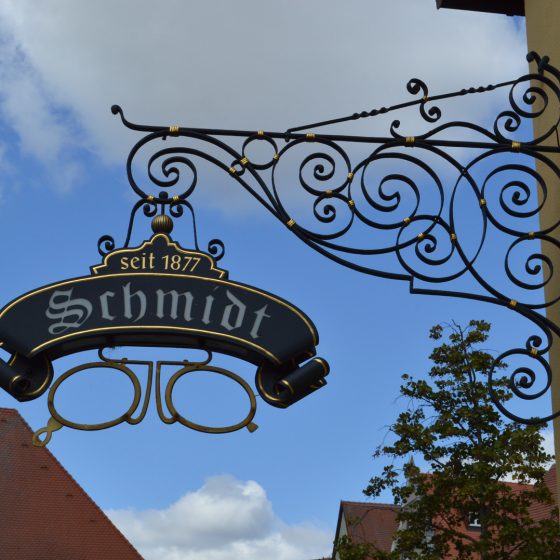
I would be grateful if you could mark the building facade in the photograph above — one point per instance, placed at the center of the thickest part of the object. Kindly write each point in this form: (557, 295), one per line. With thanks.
(376, 524)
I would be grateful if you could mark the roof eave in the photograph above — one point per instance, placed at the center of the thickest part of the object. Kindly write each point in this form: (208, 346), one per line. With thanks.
(337, 531)
(507, 7)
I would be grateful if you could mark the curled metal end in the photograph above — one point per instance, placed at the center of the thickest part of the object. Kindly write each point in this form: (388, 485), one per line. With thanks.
(252, 427)
(217, 249)
(105, 245)
(52, 426)
(117, 110)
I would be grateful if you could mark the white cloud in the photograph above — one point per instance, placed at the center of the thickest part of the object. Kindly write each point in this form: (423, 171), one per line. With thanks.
(224, 520)
(245, 64)
(27, 107)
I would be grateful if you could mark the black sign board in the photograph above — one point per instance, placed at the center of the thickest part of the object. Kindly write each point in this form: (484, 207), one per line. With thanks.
(160, 294)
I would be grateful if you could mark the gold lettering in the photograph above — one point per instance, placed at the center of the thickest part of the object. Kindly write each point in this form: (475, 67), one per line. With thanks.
(187, 262)
(124, 263)
(133, 262)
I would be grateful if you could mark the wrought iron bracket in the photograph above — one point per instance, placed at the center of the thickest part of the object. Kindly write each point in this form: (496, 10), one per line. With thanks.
(440, 205)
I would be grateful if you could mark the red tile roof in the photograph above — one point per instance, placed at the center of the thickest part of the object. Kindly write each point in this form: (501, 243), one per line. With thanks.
(376, 523)
(544, 511)
(44, 513)
(370, 523)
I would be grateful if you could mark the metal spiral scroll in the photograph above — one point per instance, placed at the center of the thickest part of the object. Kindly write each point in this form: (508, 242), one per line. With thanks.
(138, 406)
(405, 199)
(164, 175)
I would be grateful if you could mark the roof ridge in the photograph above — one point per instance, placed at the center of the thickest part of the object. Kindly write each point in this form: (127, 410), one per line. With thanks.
(512, 483)
(371, 504)
(9, 410)
(78, 485)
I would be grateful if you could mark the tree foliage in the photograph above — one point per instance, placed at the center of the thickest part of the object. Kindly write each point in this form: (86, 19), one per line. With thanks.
(452, 426)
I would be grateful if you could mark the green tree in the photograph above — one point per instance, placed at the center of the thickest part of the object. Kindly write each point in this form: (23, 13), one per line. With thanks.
(469, 447)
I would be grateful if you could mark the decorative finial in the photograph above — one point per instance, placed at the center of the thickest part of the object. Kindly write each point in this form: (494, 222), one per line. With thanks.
(162, 224)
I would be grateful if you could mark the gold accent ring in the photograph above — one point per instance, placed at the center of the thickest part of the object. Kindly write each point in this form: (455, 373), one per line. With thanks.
(119, 366)
(246, 422)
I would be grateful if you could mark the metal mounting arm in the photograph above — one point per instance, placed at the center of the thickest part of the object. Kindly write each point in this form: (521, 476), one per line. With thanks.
(434, 209)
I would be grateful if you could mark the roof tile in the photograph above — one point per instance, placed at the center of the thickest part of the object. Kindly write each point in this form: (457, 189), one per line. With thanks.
(371, 523)
(44, 512)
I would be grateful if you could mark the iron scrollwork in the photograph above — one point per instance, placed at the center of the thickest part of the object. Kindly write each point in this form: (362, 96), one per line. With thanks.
(433, 204)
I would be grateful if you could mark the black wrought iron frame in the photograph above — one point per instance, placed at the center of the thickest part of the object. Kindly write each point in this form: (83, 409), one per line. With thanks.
(343, 200)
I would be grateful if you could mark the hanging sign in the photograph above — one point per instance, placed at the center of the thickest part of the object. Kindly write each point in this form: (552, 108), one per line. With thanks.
(160, 294)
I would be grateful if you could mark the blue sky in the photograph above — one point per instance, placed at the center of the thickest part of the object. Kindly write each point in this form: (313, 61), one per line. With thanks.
(251, 65)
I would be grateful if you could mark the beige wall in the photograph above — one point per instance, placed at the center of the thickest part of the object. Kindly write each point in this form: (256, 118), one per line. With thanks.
(343, 531)
(543, 36)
